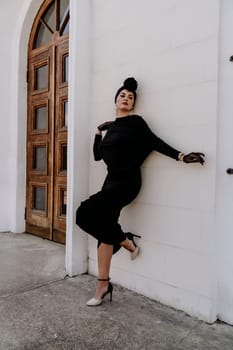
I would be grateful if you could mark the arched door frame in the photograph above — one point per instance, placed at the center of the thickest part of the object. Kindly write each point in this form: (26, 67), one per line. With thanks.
(19, 110)
(48, 57)
(78, 155)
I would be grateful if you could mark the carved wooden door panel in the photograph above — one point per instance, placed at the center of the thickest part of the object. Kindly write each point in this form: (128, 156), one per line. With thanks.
(39, 145)
(60, 159)
(47, 122)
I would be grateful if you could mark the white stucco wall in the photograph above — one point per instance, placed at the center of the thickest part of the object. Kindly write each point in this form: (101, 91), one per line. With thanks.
(171, 48)
(224, 203)
(8, 15)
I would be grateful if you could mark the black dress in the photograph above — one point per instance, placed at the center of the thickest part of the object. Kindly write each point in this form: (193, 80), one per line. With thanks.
(124, 147)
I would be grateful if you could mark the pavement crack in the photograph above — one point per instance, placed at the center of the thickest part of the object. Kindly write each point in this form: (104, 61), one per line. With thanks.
(33, 288)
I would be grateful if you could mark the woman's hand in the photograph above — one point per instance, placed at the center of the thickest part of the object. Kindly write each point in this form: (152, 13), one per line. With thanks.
(194, 157)
(104, 126)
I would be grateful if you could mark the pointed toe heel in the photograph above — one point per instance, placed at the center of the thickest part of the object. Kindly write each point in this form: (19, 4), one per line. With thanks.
(94, 302)
(136, 251)
(97, 302)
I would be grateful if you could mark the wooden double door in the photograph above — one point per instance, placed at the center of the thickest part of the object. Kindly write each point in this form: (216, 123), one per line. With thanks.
(47, 132)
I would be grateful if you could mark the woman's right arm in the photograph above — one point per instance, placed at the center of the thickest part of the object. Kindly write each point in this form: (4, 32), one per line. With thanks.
(96, 146)
(98, 138)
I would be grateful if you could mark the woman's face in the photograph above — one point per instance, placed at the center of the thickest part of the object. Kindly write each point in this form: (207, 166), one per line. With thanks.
(125, 101)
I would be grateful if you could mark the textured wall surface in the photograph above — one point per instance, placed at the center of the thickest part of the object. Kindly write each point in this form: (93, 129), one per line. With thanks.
(224, 196)
(8, 16)
(171, 48)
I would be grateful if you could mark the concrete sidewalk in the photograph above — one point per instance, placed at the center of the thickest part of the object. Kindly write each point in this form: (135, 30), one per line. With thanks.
(41, 309)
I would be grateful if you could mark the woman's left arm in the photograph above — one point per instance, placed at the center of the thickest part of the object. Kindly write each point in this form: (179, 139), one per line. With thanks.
(162, 147)
(159, 145)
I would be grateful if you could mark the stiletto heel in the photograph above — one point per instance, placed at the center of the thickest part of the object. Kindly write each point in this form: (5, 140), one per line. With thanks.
(110, 289)
(136, 251)
(131, 235)
(96, 302)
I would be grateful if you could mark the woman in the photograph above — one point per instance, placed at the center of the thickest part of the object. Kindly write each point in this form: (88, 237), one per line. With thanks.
(126, 144)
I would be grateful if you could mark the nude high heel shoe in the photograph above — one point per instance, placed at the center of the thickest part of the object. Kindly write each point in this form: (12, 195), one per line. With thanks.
(136, 251)
(96, 302)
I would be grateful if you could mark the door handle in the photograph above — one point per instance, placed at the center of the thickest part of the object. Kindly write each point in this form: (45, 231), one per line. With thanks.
(229, 171)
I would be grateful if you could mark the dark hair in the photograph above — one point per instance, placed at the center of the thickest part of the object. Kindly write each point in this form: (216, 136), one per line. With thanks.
(129, 84)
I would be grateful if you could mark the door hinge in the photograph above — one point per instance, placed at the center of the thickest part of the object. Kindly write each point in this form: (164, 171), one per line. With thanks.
(27, 76)
(25, 213)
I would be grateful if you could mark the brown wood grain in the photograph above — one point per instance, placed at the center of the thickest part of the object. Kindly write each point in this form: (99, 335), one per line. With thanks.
(50, 223)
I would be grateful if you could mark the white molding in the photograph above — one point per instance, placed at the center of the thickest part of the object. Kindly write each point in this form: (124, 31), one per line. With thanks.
(78, 126)
(19, 111)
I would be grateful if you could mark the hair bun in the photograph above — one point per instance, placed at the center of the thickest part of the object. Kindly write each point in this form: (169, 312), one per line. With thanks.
(130, 84)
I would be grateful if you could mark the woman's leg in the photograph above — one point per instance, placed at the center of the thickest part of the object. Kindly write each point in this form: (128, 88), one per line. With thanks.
(105, 252)
(128, 245)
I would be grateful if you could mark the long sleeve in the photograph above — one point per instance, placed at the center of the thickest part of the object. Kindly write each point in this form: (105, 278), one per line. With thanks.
(162, 147)
(158, 144)
(127, 143)
(96, 147)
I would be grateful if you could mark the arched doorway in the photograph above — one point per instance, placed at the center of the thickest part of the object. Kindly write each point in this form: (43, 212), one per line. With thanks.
(48, 59)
